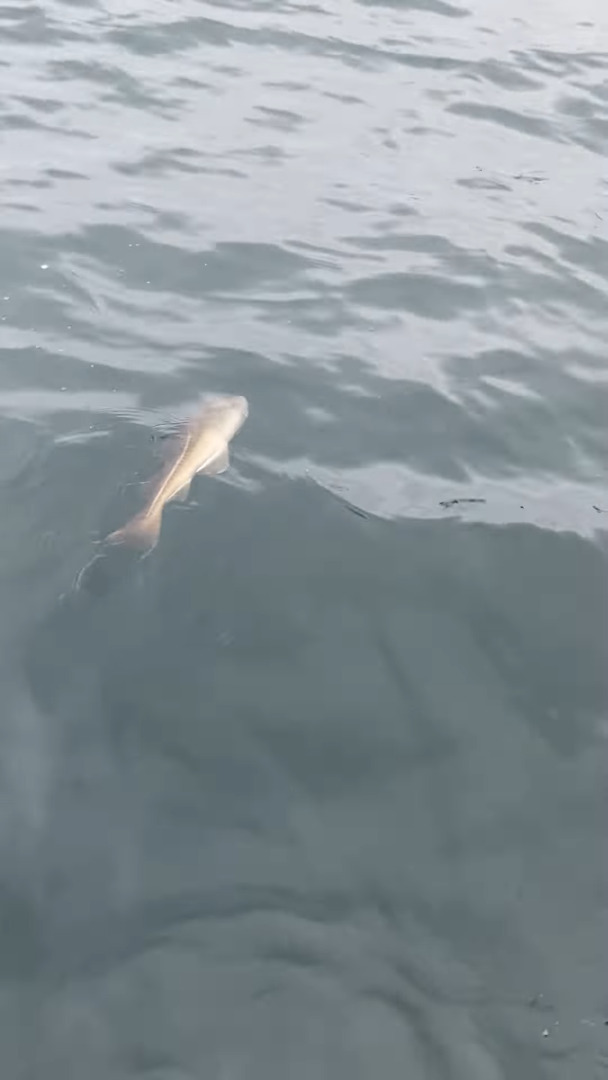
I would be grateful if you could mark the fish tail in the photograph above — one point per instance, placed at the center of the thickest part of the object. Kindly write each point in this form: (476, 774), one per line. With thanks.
(141, 532)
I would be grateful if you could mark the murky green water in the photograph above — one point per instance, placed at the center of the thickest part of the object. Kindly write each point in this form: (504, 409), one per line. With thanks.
(316, 789)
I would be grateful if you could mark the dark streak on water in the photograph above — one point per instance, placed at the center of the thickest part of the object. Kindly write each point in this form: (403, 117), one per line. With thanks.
(306, 792)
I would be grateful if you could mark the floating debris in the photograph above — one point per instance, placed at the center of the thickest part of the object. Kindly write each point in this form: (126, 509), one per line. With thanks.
(447, 503)
(531, 178)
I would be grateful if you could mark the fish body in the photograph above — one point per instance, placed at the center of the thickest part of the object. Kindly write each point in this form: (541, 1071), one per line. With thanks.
(201, 447)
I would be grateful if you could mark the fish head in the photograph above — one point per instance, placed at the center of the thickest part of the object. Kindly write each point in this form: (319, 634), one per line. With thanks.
(226, 411)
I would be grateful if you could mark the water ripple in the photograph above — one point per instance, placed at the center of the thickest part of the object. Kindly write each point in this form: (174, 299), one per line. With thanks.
(304, 790)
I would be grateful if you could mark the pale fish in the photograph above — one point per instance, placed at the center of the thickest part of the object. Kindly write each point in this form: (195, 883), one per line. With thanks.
(202, 447)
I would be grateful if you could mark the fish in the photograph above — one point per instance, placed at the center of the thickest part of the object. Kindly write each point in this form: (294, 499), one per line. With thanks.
(201, 447)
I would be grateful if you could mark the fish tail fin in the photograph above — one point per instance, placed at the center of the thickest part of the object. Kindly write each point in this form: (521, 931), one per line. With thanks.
(141, 532)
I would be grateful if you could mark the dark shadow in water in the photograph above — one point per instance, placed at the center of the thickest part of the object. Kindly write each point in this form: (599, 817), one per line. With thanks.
(300, 748)
(106, 570)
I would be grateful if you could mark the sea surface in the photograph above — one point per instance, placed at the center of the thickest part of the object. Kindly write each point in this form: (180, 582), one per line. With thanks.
(317, 789)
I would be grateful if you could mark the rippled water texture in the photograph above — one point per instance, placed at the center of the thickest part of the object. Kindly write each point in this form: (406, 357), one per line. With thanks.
(315, 789)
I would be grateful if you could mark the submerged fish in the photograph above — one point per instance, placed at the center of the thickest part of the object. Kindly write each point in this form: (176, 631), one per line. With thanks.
(201, 447)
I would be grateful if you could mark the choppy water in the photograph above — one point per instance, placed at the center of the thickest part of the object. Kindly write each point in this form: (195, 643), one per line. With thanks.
(315, 790)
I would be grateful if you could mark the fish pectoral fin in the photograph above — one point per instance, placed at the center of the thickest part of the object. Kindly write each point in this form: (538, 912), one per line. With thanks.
(218, 464)
(183, 493)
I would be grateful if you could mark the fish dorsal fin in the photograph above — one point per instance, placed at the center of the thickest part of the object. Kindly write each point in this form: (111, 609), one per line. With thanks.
(218, 464)
(183, 493)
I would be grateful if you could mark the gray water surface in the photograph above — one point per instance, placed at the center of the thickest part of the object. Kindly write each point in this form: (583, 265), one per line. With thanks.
(316, 789)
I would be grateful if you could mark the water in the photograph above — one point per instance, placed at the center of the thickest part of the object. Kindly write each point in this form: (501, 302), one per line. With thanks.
(316, 789)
